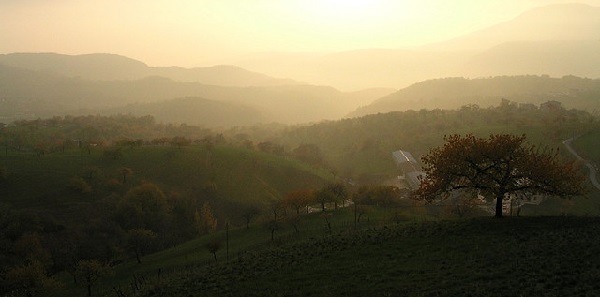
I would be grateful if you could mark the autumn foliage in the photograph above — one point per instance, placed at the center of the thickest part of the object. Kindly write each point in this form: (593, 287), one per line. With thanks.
(500, 165)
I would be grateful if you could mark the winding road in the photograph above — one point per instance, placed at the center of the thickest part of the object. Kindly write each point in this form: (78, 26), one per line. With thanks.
(593, 173)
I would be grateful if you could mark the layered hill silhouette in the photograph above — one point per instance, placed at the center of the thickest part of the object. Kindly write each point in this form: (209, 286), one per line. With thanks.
(109, 67)
(554, 22)
(453, 93)
(36, 91)
(553, 41)
(556, 40)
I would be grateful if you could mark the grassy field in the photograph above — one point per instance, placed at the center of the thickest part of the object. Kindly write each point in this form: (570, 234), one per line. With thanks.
(526, 256)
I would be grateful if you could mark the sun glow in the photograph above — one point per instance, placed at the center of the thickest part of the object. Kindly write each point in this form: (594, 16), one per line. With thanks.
(345, 8)
(342, 12)
(184, 32)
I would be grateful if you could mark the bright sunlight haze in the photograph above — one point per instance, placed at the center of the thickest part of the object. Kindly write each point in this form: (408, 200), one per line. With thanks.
(196, 33)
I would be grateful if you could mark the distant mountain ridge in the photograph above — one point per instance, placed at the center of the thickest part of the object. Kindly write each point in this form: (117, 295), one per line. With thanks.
(571, 21)
(452, 93)
(27, 94)
(560, 39)
(553, 41)
(110, 67)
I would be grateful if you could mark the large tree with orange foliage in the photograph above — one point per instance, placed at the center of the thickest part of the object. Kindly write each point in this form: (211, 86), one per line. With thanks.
(496, 166)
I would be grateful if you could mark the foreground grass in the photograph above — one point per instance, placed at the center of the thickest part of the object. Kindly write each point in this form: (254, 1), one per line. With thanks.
(535, 256)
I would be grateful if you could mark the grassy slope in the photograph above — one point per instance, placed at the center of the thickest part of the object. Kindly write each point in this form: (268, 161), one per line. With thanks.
(241, 241)
(542, 256)
(40, 184)
(240, 175)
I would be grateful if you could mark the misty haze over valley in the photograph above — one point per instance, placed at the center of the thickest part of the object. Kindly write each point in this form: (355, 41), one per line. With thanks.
(558, 40)
(299, 148)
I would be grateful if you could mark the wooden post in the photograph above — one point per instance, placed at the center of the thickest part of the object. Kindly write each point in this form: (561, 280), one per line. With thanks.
(227, 239)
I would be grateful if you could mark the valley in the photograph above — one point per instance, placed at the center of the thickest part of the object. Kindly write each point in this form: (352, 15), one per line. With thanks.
(131, 166)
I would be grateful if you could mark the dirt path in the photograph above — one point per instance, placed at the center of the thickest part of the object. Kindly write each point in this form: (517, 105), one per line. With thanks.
(593, 173)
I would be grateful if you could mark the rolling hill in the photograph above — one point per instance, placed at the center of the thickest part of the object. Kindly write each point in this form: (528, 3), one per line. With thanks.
(452, 93)
(26, 93)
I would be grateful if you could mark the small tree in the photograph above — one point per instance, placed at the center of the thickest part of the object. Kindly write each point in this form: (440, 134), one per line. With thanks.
(91, 271)
(213, 247)
(334, 192)
(360, 199)
(276, 207)
(294, 220)
(339, 193)
(298, 199)
(273, 226)
(499, 165)
(139, 240)
(323, 196)
(327, 217)
(125, 171)
(248, 213)
(144, 206)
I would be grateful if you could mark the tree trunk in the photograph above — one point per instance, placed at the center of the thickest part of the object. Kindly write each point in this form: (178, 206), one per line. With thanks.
(499, 205)
(355, 221)
(137, 256)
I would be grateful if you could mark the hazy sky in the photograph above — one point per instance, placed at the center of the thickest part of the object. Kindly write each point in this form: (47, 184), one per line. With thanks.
(204, 32)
